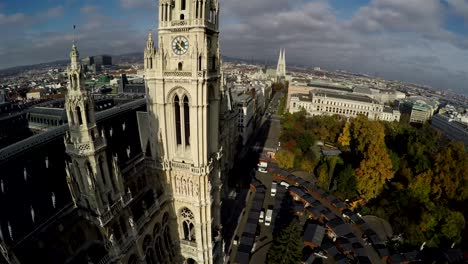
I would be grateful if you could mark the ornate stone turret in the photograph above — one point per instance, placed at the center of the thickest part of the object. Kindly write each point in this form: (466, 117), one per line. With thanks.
(88, 174)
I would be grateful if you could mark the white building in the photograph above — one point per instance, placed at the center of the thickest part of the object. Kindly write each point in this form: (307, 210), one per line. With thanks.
(349, 105)
(244, 104)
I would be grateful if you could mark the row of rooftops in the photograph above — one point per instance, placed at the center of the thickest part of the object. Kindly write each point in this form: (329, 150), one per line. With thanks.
(15, 149)
(346, 241)
(247, 238)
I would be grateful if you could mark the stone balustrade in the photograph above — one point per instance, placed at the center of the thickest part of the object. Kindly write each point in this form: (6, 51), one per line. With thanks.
(177, 74)
(115, 209)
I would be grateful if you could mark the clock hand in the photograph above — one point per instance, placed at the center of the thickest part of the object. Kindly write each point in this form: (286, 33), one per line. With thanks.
(180, 46)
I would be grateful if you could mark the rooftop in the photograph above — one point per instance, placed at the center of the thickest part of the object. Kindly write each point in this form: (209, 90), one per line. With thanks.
(31, 142)
(350, 97)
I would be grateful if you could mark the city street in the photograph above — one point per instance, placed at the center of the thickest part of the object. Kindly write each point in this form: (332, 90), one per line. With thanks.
(266, 135)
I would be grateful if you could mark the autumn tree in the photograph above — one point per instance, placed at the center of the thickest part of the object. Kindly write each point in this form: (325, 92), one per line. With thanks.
(344, 140)
(375, 168)
(309, 161)
(323, 176)
(285, 159)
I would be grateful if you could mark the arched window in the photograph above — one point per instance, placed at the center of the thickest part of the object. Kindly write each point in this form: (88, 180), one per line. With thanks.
(182, 16)
(71, 121)
(101, 169)
(90, 170)
(187, 120)
(123, 225)
(177, 120)
(78, 114)
(183, 4)
(87, 111)
(187, 224)
(159, 249)
(167, 243)
(213, 63)
(199, 63)
(190, 261)
(156, 229)
(133, 259)
(180, 66)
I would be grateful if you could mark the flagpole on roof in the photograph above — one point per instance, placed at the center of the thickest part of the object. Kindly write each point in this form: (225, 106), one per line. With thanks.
(74, 27)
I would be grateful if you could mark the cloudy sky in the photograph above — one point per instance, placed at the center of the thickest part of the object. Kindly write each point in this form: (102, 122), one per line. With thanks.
(422, 41)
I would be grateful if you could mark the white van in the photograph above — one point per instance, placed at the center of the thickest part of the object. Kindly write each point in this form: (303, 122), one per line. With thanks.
(285, 184)
(269, 213)
(273, 189)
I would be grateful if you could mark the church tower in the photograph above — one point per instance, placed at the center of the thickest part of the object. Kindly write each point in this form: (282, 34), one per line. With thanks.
(183, 80)
(281, 68)
(92, 187)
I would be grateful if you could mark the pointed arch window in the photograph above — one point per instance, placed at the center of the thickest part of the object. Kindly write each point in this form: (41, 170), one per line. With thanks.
(180, 66)
(199, 63)
(213, 63)
(187, 120)
(187, 224)
(177, 120)
(88, 117)
(101, 169)
(183, 4)
(78, 114)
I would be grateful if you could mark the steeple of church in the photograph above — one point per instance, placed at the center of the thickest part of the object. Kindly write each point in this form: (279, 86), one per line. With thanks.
(281, 68)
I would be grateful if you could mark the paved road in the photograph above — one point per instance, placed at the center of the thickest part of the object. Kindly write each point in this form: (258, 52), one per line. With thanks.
(240, 179)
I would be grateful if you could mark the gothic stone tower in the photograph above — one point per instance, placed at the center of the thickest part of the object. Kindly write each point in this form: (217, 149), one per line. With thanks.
(96, 187)
(183, 80)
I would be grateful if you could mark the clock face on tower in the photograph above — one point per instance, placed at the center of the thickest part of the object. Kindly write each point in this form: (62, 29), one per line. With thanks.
(180, 45)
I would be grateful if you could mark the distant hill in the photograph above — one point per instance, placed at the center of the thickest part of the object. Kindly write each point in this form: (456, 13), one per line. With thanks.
(17, 69)
(135, 57)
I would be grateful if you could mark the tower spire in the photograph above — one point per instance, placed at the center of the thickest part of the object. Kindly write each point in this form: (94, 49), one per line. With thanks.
(281, 68)
(150, 42)
(74, 57)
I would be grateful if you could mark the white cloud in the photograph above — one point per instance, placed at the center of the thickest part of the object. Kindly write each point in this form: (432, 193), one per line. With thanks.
(55, 12)
(89, 9)
(137, 4)
(12, 19)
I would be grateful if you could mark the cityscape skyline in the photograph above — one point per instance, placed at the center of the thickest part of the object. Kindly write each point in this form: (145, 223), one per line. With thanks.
(424, 41)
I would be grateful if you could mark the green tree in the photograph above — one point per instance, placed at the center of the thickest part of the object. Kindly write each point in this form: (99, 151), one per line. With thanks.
(451, 173)
(420, 187)
(452, 227)
(323, 176)
(332, 161)
(308, 162)
(287, 246)
(345, 183)
(285, 159)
